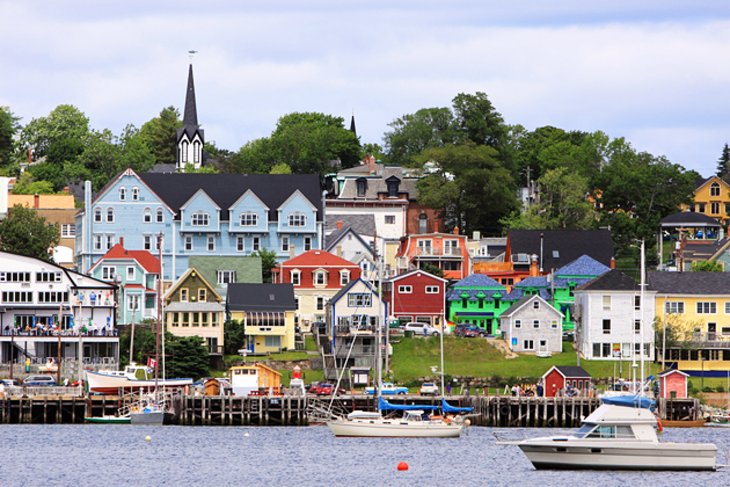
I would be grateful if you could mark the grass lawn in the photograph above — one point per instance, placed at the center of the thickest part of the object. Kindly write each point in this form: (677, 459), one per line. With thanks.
(473, 357)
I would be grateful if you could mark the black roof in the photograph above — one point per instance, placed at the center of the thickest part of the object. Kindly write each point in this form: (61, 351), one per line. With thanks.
(260, 297)
(561, 247)
(225, 189)
(613, 280)
(573, 371)
(689, 282)
(689, 218)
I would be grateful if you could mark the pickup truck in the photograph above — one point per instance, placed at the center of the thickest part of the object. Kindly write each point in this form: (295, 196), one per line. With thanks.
(388, 389)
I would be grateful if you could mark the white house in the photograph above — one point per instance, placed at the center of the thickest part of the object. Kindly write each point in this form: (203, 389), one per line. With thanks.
(609, 314)
(533, 325)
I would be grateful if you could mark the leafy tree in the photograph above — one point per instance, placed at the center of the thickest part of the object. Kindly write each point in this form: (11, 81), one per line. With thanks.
(144, 342)
(411, 134)
(707, 266)
(432, 269)
(48, 171)
(59, 136)
(234, 333)
(268, 261)
(186, 357)
(280, 168)
(8, 128)
(478, 120)
(160, 135)
(255, 157)
(100, 159)
(191, 169)
(26, 184)
(723, 163)
(25, 232)
(134, 152)
(374, 150)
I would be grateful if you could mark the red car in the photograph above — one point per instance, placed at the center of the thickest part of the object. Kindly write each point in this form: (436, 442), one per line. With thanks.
(323, 389)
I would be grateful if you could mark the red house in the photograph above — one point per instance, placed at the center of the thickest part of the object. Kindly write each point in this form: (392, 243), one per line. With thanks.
(417, 296)
(559, 377)
(673, 384)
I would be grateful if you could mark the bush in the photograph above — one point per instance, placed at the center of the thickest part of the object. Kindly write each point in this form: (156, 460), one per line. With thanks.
(720, 389)
(707, 389)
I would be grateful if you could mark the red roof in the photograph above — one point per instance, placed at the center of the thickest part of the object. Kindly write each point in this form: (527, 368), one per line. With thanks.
(149, 262)
(318, 258)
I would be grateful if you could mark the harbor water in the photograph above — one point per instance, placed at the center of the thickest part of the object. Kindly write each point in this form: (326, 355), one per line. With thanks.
(121, 455)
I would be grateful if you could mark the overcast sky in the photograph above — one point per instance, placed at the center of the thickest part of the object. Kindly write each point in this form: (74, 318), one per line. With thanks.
(655, 72)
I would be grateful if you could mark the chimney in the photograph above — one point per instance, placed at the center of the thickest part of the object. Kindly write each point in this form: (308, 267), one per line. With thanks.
(30, 156)
(36, 201)
(534, 272)
(339, 224)
(338, 251)
(456, 230)
(371, 163)
(121, 241)
(291, 251)
(476, 235)
(612, 265)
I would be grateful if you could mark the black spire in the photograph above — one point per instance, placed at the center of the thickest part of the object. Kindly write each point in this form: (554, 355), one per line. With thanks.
(352, 126)
(190, 117)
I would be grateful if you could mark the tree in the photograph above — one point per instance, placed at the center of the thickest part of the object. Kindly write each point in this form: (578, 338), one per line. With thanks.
(8, 128)
(280, 168)
(723, 163)
(268, 261)
(160, 135)
(59, 136)
(134, 152)
(186, 357)
(234, 334)
(478, 121)
(100, 159)
(26, 184)
(411, 134)
(25, 232)
(707, 266)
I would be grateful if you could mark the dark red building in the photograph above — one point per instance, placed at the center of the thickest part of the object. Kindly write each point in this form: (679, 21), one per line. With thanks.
(417, 296)
(558, 377)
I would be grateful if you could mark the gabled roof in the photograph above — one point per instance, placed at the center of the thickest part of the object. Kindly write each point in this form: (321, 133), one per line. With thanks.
(570, 371)
(317, 258)
(528, 299)
(260, 297)
(362, 224)
(226, 189)
(560, 247)
(533, 281)
(689, 218)
(614, 280)
(335, 237)
(478, 280)
(144, 258)
(583, 266)
(416, 271)
(181, 280)
(697, 283)
(701, 182)
(672, 371)
(349, 286)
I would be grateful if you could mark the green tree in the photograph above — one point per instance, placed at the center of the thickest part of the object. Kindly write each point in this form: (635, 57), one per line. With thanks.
(160, 135)
(280, 168)
(8, 128)
(723, 163)
(411, 134)
(144, 342)
(234, 332)
(134, 151)
(26, 184)
(478, 120)
(191, 169)
(268, 261)
(100, 159)
(25, 232)
(432, 269)
(707, 266)
(186, 357)
(59, 136)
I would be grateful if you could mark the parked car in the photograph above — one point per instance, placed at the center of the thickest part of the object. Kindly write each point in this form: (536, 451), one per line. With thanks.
(429, 389)
(39, 380)
(420, 328)
(10, 382)
(324, 389)
(388, 389)
(468, 331)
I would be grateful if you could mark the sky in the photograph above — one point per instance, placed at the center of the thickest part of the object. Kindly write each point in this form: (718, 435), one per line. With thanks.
(654, 72)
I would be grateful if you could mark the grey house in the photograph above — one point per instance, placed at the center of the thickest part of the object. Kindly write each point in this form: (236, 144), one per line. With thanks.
(533, 325)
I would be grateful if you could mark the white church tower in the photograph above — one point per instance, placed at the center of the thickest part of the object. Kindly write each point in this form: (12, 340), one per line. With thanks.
(190, 138)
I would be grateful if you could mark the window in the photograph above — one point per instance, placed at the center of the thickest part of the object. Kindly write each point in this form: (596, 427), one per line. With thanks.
(432, 289)
(726, 330)
(390, 219)
(226, 277)
(606, 327)
(715, 208)
(536, 323)
(256, 244)
(307, 243)
(393, 187)
(272, 341)
(196, 151)
(297, 220)
(536, 304)
(14, 276)
(211, 243)
(706, 307)
(714, 189)
(285, 244)
(344, 277)
(135, 193)
(359, 299)
(97, 242)
(97, 215)
(184, 150)
(240, 244)
(606, 302)
(637, 303)
(133, 303)
(110, 215)
(296, 277)
(148, 242)
(320, 303)
(202, 294)
(17, 297)
(108, 272)
(249, 219)
(518, 323)
(159, 216)
(131, 273)
(362, 186)
(320, 277)
(700, 207)
(188, 242)
(147, 215)
(200, 219)
(637, 326)
(405, 289)
(528, 345)
(68, 230)
(727, 307)
(184, 295)
(122, 193)
(674, 307)
(554, 324)
(109, 241)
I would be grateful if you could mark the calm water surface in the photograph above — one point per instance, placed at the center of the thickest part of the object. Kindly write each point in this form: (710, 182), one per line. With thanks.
(101, 455)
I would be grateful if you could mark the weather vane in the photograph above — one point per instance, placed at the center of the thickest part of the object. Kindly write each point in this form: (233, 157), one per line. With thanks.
(192, 53)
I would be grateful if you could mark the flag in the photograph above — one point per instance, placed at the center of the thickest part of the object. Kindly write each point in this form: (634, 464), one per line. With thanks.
(151, 363)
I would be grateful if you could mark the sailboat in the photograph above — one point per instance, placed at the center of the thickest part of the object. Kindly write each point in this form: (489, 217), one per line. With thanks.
(415, 421)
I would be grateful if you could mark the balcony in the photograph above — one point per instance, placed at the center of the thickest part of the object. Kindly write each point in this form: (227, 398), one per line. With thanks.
(348, 329)
(436, 252)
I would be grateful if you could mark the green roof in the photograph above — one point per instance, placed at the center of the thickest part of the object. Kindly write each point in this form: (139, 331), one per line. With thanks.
(248, 269)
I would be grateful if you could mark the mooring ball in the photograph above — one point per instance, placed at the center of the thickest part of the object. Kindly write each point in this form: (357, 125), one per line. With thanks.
(246, 435)
(147, 438)
(467, 422)
(402, 466)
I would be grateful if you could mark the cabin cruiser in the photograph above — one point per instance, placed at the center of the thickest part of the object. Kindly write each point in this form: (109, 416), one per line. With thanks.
(617, 437)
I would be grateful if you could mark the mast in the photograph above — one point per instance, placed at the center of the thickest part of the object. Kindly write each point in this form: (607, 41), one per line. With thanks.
(159, 314)
(441, 345)
(378, 353)
(641, 317)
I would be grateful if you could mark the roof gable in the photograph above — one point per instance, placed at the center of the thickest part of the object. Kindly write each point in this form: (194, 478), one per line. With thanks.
(192, 272)
(335, 237)
(144, 258)
(196, 195)
(320, 258)
(583, 266)
(525, 300)
(297, 195)
(417, 271)
(560, 247)
(248, 194)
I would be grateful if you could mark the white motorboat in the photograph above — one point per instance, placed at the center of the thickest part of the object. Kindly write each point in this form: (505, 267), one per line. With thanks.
(133, 378)
(411, 425)
(617, 438)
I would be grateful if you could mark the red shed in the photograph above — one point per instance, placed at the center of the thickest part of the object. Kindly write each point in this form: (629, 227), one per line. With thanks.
(558, 377)
(673, 384)
(417, 296)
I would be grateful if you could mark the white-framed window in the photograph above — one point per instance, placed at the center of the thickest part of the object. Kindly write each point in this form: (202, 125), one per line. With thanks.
(320, 303)
(122, 193)
(240, 244)
(202, 295)
(320, 277)
(296, 277)
(249, 219)
(405, 289)
(307, 243)
(159, 216)
(714, 189)
(110, 215)
(359, 299)
(148, 242)
(297, 220)
(715, 208)
(285, 244)
(184, 295)
(606, 327)
(68, 230)
(637, 326)
(606, 303)
(131, 273)
(108, 272)
(727, 308)
(255, 244)
(344, 277)
(706, 307)
(147, 215)
(211, 243)
(536, 304)
(200, 219)
(637, 303)
(674, 307)
(432, 289)
(390, 219)
(536, 323)
(135, 193)
(109, 241)
(226, 277)
(133, 303)
(188, 242)
(528, 345)
(97, 215)
(97, 242)
(184, 150)
(518, 323)
(554, 324)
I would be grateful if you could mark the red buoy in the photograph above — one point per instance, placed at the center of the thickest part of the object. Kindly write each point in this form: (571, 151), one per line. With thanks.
(402, 466)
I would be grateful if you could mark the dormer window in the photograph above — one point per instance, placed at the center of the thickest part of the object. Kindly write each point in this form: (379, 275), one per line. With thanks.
(296, 277)
(200, 219)
(249, 219)
(320, 278)
(122, 193)
(393, 185)
(297, 220)
(362, 187)
(135, 193)
(344, 277)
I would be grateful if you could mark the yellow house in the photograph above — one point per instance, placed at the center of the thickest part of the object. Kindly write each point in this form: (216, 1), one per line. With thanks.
(267, 312)
(695, 309)
(712, 198)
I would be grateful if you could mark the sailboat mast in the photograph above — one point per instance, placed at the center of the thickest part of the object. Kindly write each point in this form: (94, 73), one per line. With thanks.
(641, 317)
(378, 353)
(159, 313)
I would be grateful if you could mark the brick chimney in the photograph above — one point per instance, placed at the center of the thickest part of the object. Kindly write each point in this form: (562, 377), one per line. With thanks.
(339, 224)
(612, 265)
(534, 271)
(36, 201)
(121, 241)
(456, 230)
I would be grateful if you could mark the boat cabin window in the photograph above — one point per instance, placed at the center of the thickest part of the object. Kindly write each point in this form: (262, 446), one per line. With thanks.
(611, 431)
(584, 430)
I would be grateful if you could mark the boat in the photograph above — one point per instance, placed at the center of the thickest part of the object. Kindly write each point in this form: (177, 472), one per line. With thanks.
(684, 423)
(108, 419)
(133, 378)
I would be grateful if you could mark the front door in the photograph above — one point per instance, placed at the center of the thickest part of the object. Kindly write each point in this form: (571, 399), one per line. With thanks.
(711, 331)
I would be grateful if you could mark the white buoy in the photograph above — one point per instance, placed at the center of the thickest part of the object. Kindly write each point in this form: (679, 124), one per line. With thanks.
(148, 438)
(246, 435)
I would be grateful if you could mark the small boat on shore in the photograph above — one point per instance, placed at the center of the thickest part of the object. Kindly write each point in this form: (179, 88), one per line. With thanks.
(684, 423)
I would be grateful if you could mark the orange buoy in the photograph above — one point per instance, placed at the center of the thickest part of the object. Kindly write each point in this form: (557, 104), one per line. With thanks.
(402, 466)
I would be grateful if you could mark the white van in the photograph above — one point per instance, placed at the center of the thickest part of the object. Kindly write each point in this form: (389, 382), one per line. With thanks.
(420, 328)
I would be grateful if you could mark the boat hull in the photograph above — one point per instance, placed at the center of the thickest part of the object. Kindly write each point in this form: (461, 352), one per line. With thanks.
(596, 456)
(394, 429)
(113, 384)
(108, 420)
(152, 417)
(695, 423)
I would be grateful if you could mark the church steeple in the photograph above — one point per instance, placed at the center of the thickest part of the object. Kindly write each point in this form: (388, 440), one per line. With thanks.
(190, 118)
(352, 125)
(190, 137)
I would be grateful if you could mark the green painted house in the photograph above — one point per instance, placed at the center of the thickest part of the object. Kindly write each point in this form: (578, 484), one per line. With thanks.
(479, 300)
(220, 271)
